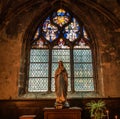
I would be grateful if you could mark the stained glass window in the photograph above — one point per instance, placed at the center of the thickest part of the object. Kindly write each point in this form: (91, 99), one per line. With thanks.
(61, 37)
(61, 17)
(50, 31)
(72, 31)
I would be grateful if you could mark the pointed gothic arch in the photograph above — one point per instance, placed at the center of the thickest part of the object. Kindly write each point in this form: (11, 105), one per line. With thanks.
(26, 49)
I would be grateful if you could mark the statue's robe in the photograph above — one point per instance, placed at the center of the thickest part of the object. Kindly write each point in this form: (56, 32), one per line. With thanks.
(61, 84)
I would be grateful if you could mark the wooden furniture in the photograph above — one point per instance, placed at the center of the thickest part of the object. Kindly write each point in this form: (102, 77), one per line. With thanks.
(67, 113)
(27, 117)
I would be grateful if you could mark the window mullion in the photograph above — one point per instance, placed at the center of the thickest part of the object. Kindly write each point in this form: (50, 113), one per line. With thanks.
(50, 70)
(72, 69)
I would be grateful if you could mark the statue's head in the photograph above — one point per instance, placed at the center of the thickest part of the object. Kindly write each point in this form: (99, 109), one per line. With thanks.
(60, 63)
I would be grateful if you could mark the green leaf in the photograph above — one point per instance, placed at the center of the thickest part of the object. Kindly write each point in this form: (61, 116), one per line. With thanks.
(96, 109)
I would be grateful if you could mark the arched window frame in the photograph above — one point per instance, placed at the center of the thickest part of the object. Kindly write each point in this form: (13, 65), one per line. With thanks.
(25, 86)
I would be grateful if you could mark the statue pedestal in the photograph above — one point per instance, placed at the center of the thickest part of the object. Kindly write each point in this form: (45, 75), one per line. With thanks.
(66, 113)
(62, 105)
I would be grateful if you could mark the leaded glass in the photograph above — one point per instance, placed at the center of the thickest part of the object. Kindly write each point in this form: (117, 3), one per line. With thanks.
(84, 84)
(83, 70)
(38, 84)
(67, 40)
(60, 54)
(83, 55)
(61, 17)
(37, 55)
(71, 31)
(50, 32)
(38, 70)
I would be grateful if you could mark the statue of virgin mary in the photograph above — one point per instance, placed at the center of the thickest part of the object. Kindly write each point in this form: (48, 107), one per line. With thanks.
(61, 86)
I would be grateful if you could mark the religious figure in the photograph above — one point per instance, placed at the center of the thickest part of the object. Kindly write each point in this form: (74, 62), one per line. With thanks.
(61, 85)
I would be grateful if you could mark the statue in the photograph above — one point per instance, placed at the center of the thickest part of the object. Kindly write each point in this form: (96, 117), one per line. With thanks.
(61, 86)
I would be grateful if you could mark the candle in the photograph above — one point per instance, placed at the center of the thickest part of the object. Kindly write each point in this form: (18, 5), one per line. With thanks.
(116, 117)
(107, 111)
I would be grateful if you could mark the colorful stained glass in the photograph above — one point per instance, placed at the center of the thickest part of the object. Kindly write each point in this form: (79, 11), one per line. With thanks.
(85, 34)
(39, 44)
(50, 32)
(81, 44)
(71, 31)
(61, 17)
(37, 34)
(63, 28)
(60, 54)
(61, 44)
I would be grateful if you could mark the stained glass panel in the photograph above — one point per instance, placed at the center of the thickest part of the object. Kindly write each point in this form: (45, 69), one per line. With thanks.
(71, 31)
(38, 84)
(37, 34)
(83, 84)
(85, 35)
(83, 55)
(81, 44)
(50, 32)
(39, 44)
(61, 45)
(61, 54)
(83, 70)
(38, 70)
(59, 32)
(61, 17)
(37, 55)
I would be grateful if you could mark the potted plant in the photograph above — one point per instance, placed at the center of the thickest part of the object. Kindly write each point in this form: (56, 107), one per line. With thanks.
(96, 109)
